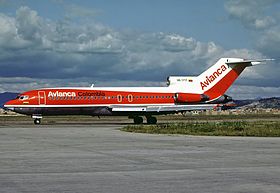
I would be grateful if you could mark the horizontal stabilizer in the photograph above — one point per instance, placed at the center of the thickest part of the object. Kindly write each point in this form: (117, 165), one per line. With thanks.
(249, 62)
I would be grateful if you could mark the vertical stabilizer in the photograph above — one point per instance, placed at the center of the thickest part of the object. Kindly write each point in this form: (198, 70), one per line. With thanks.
(215, 81)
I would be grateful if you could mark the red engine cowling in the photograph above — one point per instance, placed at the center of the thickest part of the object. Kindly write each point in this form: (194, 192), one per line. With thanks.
(190, 98)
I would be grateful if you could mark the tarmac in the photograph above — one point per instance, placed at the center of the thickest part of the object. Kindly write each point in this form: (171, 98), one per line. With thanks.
(101, 158)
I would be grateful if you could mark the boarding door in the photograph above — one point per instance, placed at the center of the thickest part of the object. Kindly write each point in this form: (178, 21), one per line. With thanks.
(42, 97)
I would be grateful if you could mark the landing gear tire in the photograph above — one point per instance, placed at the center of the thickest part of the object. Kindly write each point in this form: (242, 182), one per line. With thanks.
(37, 121)
(138, 120)
(151, 120)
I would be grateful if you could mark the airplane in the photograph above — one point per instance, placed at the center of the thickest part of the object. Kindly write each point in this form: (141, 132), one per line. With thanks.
(182, 93)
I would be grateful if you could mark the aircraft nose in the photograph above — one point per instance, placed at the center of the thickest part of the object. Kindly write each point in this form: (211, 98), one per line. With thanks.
(7, 106)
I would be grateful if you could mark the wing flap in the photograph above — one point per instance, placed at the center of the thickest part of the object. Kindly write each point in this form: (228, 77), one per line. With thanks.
(129, 109)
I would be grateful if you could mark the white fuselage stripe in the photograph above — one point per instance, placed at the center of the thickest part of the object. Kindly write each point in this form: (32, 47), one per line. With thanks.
(90, 105)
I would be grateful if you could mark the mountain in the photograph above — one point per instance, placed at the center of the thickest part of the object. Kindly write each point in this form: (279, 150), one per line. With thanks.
(6, 96)
(265, 103)
(244, 102)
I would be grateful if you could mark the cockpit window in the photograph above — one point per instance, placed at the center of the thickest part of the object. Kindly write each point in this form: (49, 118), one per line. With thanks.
(24, 97)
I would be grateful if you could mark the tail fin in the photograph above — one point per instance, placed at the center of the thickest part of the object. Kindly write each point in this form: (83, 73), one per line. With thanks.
(215, 81)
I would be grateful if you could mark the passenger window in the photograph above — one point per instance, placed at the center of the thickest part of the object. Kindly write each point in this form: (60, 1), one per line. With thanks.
(119, 97)
(130, 98)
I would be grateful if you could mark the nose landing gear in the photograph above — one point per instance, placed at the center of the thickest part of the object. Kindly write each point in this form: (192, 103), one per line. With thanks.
(37, 119)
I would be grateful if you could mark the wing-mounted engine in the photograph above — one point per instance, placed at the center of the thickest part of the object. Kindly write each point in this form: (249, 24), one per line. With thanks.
(190, 98)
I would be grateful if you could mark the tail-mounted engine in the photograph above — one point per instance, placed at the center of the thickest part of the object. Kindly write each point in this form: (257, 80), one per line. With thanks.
(190, 98)
(222, 99)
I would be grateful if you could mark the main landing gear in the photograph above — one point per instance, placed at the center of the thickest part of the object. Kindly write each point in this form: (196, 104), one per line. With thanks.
(150, 120)
(37, 119)
(138, 120)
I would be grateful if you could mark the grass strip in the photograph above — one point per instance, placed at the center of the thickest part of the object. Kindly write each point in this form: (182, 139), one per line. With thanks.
(224, 128)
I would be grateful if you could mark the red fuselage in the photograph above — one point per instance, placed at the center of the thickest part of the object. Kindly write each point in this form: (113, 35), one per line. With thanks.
(88, 101)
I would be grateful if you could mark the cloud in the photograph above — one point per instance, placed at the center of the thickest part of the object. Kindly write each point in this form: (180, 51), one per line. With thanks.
(269, 42)
(74, 10)
(37, 52)
(252, 92)
(28, 24)
(21, 84)
(251, 13)
(41, 48)
(262, 20)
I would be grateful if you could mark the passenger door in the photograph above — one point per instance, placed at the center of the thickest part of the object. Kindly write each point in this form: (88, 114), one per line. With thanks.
(42, 97)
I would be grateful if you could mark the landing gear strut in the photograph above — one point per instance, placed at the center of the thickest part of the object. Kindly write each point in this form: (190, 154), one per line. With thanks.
(37, 119)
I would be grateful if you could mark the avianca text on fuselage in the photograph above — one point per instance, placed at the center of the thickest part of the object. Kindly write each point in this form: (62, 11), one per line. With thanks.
(73, 94)
(97, 93)
(212, 77)
(61, 94)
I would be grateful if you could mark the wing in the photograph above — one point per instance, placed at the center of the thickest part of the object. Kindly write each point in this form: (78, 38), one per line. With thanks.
(163, 108)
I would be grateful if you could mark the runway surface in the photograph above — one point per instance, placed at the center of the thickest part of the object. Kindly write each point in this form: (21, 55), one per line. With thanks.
(100, 158)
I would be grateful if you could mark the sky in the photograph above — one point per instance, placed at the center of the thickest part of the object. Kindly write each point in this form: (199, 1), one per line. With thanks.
(136, 42)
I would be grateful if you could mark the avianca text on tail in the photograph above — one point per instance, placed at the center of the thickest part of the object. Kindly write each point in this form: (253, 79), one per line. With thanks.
(182, 93)
(212, 77)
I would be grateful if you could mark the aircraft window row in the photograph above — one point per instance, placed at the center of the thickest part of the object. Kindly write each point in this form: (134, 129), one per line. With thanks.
(130, 97)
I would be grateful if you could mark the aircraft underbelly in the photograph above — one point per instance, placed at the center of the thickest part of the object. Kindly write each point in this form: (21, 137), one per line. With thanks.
(93, 111)
(112, 110)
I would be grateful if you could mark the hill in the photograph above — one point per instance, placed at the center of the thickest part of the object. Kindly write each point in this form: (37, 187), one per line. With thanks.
(273, 102)
(6, 96)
